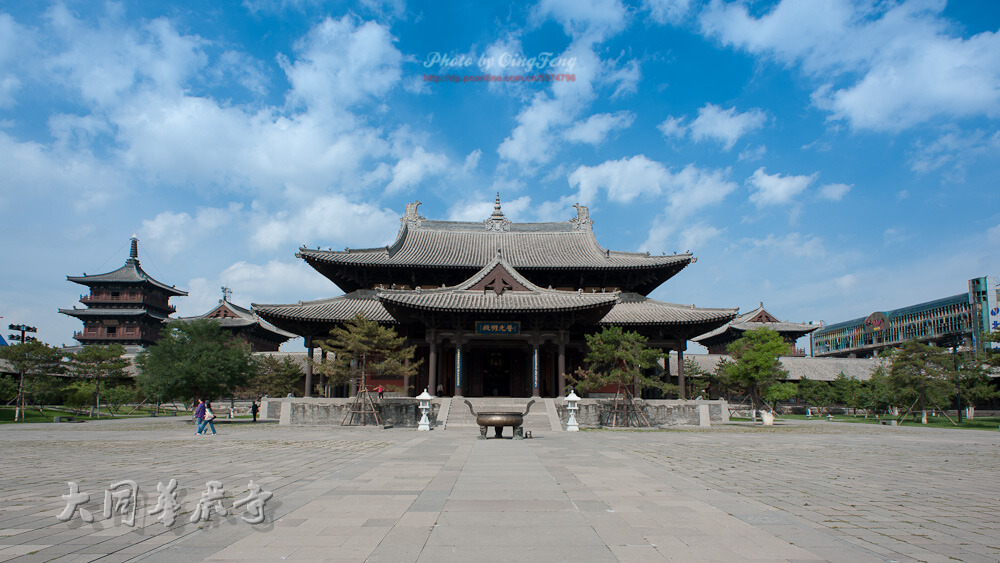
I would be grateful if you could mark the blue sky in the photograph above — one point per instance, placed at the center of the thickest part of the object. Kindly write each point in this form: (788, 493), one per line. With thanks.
(827, 157)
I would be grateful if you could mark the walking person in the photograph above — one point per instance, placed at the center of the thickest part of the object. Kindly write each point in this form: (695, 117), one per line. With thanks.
(199, 417)
(209, 417)
(380, 390)
(253, 410)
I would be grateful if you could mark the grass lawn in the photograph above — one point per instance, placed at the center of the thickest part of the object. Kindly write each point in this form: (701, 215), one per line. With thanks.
(32, 414)
(978, 423)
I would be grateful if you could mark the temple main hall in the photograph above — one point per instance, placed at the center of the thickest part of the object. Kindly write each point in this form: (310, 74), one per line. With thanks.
(495, 308)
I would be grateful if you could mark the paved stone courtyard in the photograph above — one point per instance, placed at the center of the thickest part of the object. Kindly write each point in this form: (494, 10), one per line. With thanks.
(814, 491)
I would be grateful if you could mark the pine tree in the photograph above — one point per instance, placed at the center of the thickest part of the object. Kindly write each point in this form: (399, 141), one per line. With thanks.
(96, 364)
(363, 344)
(757, 363)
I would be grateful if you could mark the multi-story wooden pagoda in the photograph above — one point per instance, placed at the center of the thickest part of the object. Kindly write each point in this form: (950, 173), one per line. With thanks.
(244, 324)
(496, 308)
(719, 339)
(126, 305)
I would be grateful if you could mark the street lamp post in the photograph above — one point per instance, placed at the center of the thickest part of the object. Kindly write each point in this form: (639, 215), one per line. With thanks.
(22, 338)
(958, 389)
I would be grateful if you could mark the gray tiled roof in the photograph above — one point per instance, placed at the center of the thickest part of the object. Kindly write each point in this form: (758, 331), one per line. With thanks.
(335, 309)
(816, 369)
(463, 298)
(244, 318)
(741, 324)
(635, 309)
(556, 245)
(124, 312)
(131, 272)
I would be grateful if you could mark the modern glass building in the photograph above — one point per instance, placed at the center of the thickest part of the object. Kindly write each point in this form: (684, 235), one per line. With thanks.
(956, 321)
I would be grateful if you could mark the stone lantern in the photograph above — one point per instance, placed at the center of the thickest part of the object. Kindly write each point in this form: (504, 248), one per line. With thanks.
(425, 407)
(572, 405)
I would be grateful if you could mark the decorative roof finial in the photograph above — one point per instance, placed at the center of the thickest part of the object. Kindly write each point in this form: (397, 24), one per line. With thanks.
(133, 254)
(496, 221)
(226, 293)
(497, 214)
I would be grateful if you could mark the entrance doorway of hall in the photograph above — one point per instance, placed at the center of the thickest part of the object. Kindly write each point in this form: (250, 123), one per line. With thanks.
(498, 372)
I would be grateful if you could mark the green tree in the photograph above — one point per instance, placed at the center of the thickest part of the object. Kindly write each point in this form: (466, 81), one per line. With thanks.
(35, 363)
(921, 374)
(814, 393)
(971, 378)
(722, 381)
(192, 360)
(757, 363)
(97, 364)
(698, 381)
(275, 378)
(618, 357)
(846, 391)
(363, 344)
(877, 394)
(122, 394)
(79, 394)
(780, 391)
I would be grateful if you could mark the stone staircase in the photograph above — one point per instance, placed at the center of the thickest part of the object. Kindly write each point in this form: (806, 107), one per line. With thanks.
(459, 417)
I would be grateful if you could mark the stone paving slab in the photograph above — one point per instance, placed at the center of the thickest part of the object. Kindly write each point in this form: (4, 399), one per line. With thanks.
(812, 492)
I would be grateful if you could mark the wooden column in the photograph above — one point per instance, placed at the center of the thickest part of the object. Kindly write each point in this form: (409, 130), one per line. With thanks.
(432, 358)
(561, 365)
(459, 364)
(535, 369)
(680, 370)
(322, 376)
(406, 378)
(309, 368)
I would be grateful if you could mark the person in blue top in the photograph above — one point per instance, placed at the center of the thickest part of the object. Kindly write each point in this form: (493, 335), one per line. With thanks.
(199, 417)
(209, 417)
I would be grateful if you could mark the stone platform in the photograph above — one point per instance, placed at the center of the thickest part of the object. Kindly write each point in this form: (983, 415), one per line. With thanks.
(816, 491)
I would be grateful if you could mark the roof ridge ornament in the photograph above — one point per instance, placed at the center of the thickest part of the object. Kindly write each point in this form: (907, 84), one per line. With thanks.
(497, 221)
(582, 220)
(133, 253)
(411, 216)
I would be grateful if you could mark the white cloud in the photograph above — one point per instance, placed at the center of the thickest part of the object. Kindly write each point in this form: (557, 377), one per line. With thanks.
(901, 61)
(714, 123)
(480, 209)
(993, 234)
(173, 233)
(108, 63)
(17, 48)
(725, 125)
(775, 189)
(697, 236)
(846, 282)
(534, 139)
(755, 153)
(340, 63)
(57, 175)
(413, 169)
(622, 180)
(594, 130)
(594, 19)
(793, 245)
(834, 192)
(331, 220)
(954, 151)
(673, 127)
(667, 11)
(472, 160)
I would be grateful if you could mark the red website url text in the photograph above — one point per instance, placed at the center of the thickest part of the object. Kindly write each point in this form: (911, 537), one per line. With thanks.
(463, 78)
